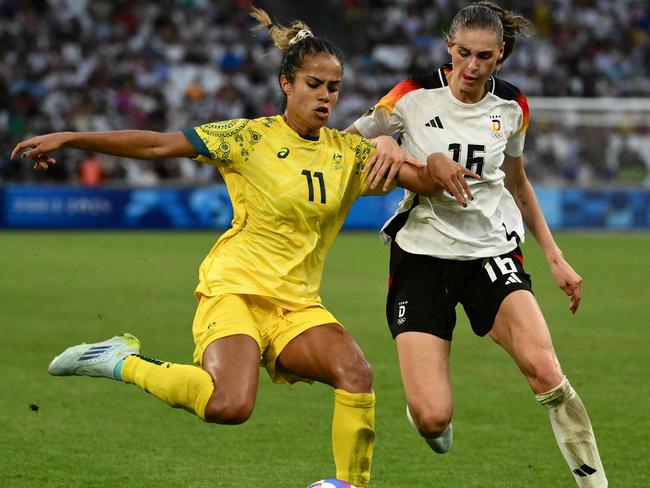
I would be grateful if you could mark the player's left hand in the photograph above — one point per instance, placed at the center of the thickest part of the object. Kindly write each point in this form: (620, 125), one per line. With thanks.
(386, 162)
(570, 282)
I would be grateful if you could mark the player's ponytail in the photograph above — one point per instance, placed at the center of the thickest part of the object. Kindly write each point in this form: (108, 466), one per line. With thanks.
(295, 42)
(489, 16)
(513, 25)
(282, 36)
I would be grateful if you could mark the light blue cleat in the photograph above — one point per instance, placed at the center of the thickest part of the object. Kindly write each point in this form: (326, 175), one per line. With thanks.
(440, 444)
(98, 359)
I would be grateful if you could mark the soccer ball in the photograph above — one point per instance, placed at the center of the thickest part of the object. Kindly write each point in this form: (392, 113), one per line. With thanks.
(331, 483)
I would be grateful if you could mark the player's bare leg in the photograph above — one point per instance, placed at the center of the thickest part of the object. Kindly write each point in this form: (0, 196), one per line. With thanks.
(328, 354)
(223, 392)
(521, 330)
(233, 363)
(424, 365)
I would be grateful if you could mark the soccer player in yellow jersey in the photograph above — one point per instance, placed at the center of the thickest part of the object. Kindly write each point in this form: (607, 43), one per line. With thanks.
(292, 182)
(290, 197)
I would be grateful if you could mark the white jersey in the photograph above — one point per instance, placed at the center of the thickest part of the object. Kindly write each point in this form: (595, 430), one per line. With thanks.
(428, 118)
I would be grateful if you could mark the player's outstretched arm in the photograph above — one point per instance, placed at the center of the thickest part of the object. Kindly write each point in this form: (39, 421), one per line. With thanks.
(386, 162)
(440, 173)
(137, 144)
(522, 191)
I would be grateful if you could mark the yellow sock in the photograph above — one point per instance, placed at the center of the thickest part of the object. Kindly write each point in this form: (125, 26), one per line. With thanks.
(353, 436)
(178, 385)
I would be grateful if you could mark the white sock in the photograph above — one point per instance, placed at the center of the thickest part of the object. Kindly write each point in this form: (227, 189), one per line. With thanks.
(574, 435)
(440, 444)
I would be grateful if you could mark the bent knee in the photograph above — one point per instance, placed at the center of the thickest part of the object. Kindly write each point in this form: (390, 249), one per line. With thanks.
(231, 412)
(543, 377)
(431, 421)
(354, 378)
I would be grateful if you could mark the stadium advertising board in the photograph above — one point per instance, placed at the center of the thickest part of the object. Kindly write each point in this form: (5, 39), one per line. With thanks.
(56, 207)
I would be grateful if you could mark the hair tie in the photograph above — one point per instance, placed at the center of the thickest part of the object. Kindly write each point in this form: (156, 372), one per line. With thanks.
(302, 34)
(270, 26)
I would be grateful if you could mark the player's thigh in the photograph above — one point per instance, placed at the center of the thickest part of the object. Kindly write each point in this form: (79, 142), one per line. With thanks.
(418, 295)
(223, 316)
(487, 282)
(327, 353)
(424, 366)
(234, 364)
(228, 343)
(520, 328)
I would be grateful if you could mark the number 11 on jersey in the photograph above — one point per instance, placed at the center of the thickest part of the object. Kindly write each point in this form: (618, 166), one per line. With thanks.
(310, 184)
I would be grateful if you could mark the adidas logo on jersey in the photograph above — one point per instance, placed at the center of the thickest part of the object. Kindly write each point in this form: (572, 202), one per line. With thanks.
(435, 123)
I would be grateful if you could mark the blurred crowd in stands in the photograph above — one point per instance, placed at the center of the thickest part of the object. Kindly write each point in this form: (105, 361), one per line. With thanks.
(169, 64)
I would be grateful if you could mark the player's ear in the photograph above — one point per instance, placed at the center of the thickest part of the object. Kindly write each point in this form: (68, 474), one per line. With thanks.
(286, 85)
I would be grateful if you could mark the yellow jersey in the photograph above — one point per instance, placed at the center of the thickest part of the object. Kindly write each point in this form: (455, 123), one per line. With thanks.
(290, 197)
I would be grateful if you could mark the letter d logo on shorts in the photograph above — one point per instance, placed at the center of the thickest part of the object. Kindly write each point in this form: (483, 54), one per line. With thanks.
(401, 312)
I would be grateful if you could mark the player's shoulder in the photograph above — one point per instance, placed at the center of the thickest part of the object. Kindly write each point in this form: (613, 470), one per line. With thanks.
(349, 146)
(412, 86)
(221, 127)
(397, 94)
(509, 92)
(348, 139)
(269, 122)
(505, 90)
(234, 126)
(427, 80)
(431, 80)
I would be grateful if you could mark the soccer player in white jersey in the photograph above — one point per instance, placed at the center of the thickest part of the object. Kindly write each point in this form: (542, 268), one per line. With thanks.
(444, 253)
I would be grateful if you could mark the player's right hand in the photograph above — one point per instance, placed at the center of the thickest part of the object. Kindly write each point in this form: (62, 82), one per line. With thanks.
(450, 175)
(385, 163)
(39, 147)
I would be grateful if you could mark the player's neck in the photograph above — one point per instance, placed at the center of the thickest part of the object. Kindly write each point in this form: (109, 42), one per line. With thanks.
(467, 96)
(304, 132)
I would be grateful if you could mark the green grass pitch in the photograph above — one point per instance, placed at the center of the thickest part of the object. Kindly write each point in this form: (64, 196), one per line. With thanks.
(57, 289)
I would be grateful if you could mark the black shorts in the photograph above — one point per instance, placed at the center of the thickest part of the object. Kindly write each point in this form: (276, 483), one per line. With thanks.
(423, 291)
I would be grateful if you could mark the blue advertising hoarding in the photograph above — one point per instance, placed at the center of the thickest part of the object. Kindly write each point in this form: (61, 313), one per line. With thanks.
(62, 207)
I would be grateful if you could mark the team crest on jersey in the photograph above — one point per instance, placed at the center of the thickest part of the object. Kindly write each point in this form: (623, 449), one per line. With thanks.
(338, 160)
(496, 126)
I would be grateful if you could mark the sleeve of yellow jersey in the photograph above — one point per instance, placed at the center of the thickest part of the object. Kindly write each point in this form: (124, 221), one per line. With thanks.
(219, 143)
(364, 151)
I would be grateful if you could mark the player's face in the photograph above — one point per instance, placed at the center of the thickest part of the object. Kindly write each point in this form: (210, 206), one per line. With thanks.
(313, 94)
(474, 56)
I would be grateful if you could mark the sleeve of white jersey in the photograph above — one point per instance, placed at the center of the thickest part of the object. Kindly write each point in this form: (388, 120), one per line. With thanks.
(386, 118)
(515, 146)
(378, 121)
